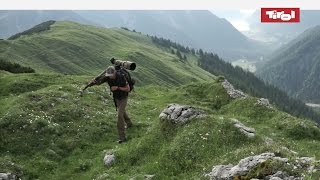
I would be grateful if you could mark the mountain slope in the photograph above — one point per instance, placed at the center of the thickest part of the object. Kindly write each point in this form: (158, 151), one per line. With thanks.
(12, 22)
(49, 132)
(294, 68)
(198, 29)
(71, 48)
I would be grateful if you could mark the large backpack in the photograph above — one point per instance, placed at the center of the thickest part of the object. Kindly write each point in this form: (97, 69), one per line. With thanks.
(127, 75)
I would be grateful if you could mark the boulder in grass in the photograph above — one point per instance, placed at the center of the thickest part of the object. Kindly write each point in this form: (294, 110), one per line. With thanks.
(180, 113)
(234, 93)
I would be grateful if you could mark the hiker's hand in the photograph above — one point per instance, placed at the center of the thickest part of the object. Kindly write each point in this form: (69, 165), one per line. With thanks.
(93, 81)
(114, 88)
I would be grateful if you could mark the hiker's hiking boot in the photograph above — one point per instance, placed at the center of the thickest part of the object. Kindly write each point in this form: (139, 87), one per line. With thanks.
(120, 141)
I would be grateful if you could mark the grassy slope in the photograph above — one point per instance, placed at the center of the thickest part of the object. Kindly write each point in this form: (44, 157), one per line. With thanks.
(50, 132)
(72, 48)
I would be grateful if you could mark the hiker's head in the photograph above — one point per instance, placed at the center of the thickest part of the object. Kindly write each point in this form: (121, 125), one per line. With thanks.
(111, 72)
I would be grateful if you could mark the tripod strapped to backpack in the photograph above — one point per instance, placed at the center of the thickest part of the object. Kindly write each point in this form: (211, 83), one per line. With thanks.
(121, 67)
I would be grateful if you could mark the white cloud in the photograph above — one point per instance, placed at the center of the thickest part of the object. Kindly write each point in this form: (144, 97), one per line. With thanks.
(238, 18)
(240, 25)
(247, 12)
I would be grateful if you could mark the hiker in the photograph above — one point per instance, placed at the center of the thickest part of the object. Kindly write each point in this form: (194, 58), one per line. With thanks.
(120, 89)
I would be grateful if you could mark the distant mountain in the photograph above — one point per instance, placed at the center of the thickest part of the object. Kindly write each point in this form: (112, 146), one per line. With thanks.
(198, 29)
(283, 32)
(12, 22)
(295, 67)
(72, 48)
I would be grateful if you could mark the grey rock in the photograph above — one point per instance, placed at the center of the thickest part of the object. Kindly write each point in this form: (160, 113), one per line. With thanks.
(149, 176)
(7, 176)
(308, 163)
(244, 129)
(282, 176)
(234, 93)
(108, 159)
(268, 141)
(304, 161)
(263, 102)
(278, 174)
(103, 176)
(220, 172)
(180, 113)
(242, 168)
(275, 178)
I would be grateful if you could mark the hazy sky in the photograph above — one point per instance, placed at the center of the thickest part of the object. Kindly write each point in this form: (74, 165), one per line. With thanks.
(236, 17)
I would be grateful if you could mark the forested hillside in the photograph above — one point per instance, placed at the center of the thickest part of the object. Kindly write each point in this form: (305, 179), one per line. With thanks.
(294, 68)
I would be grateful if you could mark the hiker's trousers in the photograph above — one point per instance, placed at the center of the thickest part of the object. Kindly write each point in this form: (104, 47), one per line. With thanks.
(123, 117)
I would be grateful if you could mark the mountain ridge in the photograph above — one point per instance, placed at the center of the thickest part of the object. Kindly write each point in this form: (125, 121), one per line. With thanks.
(210, 33)
(72, 48)
(299, 57)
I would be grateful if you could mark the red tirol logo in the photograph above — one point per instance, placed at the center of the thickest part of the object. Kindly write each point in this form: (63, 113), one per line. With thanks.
(280, 15)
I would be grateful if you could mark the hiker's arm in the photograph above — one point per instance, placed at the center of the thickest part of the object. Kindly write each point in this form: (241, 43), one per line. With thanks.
(99, 79)
(122, 86)
(125, 88)
(96, 81)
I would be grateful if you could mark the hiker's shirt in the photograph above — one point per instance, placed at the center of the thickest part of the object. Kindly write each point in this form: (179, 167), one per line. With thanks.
(121, 82)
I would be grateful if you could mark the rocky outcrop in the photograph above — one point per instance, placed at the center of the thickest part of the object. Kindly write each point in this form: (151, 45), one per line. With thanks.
(180, 113)
(234, 93)
(308, 163)
(282, 176)
(243, 129)
(149, 176)
(263, 102)
(246, 165)
(8, 176)
(103, 176)
(242, 168)
(108, 159)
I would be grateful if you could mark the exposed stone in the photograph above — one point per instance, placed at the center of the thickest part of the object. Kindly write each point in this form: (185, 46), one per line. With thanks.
(308, 163)
(279, 174)
(180, 113)
(242, 168)
(149, 176)
(108, 159)
(220, 172)
(234, 93)
(263, 102)
(8, 176)
(282, 176)
(268, 141)
(103, 176)
(275, 178)
(304, 161)
(244, 129)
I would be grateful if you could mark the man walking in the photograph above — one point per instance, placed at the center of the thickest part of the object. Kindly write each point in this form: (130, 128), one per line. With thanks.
(120, 89)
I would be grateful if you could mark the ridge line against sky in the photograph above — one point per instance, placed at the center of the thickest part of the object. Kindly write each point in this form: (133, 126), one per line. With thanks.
(237, 17)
